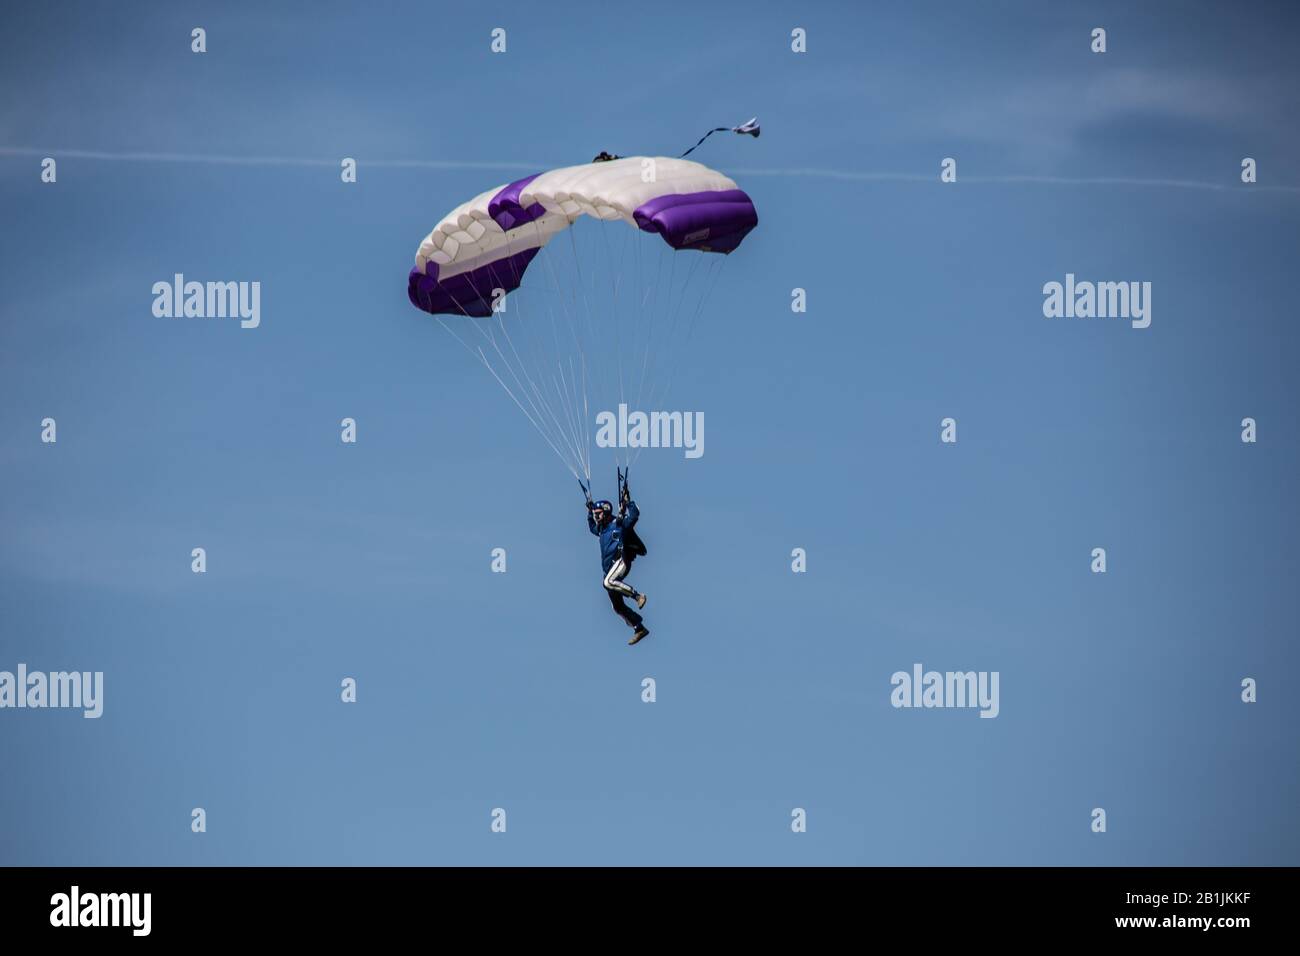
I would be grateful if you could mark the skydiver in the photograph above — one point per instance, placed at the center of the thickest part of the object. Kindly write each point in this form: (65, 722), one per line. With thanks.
(619, 547)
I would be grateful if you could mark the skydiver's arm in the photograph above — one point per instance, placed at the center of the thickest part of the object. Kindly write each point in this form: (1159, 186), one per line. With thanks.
(591, 522)
(633, 512)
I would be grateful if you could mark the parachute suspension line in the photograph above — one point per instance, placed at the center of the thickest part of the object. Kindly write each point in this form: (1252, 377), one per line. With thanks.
(566, 385)
(628, 240)
(708, 283)
(615, 273)
(636, 315)
(575, 425)
(571, 405)
(603, 312)
(567, 463)
(641, 336)
(633, 314)
(541, 399)
(671, 345)
(479, 355)
(654, 324)
(563, 433)
(537, 418)
(587, 316)
(576, 386)
(635, 318)
(586, 413)
(572, 415)
(562, 385)
(641, 320)
(577, 343)
(531, 392)
(615, 318)
(539, 364)
(658, 325)
(659, 306)
(715, 270)
(490, 337)
(588, 320)
(523, 368)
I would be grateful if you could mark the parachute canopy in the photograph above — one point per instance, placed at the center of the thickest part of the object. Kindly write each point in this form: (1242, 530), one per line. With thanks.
(486, 244)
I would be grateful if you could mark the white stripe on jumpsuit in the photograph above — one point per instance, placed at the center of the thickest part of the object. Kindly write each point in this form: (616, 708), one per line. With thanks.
(613, 583)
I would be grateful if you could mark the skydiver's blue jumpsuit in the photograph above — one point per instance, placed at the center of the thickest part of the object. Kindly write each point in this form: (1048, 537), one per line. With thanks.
(616, 558)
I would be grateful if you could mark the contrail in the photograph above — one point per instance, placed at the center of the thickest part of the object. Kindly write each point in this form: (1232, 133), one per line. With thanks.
(220, 160)
(862, 176)
(792, 172)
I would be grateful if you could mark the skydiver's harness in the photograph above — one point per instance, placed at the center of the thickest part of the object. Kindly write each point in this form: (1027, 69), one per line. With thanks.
(631, 540)
(624, 493)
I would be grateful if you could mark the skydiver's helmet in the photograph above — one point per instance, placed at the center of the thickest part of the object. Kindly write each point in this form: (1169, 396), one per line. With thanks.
(603, 511)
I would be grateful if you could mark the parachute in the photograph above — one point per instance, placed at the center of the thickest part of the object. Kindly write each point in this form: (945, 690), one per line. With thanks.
(604, 314)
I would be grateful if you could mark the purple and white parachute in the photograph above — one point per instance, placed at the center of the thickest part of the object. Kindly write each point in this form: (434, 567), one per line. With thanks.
(598, 324)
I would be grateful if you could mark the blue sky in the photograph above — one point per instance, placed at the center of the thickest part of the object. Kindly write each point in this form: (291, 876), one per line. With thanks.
(516, 690)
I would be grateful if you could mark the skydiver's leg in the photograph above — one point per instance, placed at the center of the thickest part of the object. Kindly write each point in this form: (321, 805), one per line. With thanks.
(629, 616)
(639, 595)
(617, 590)
(614, 579)
(619, 570)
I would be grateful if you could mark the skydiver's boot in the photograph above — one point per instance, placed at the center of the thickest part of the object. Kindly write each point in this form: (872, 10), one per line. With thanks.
(639, 633)
(640, 600)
